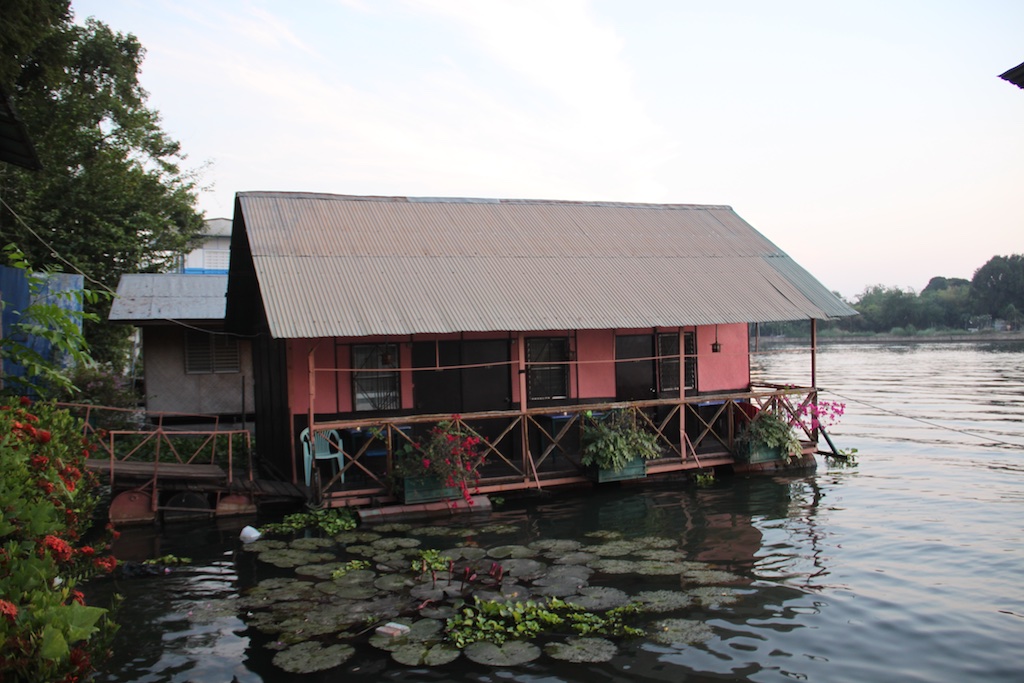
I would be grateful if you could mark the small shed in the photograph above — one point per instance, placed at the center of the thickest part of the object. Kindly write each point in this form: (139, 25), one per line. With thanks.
(191, 365)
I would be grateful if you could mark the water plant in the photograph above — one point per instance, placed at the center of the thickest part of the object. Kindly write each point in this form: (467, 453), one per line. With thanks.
(614, 440)
(331, 521)
(350, 566)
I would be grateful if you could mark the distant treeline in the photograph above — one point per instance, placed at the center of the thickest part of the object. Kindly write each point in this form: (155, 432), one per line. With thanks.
(992, 299)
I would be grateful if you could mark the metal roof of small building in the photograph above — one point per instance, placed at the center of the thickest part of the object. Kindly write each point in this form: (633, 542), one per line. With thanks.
(155, 297)
(349, 266)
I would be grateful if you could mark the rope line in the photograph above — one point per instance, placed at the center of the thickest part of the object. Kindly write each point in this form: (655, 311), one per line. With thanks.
(924, 421)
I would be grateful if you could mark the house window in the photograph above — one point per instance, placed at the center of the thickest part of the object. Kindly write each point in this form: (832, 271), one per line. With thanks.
(668, 362)
(208, 353)
(689, 360)
(375, 384)
(547, 375)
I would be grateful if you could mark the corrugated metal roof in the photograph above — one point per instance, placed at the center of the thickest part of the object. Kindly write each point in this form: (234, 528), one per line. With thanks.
(149, 297)
(1014, 75)
(346, 266)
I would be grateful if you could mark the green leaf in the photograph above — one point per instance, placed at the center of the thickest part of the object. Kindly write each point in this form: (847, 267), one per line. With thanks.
(54, 646)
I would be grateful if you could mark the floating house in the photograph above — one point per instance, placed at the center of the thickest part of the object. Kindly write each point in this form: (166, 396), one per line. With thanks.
(375, 318)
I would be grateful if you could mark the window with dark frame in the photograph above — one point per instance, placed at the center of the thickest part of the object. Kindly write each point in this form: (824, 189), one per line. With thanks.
(208, 353)
(668, 362)
(375, 384)
(547, 375)
(689, 360)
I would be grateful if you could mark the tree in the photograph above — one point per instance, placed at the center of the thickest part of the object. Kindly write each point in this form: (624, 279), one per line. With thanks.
(112, 197)
(999, 283)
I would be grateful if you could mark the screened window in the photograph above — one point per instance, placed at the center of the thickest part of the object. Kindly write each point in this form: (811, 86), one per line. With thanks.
(668, 362)
(689, 360)
(207, 353)
(547, 376)
(375, 384)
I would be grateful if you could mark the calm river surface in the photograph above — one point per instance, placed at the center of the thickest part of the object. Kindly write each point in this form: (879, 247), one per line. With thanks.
(907, 567)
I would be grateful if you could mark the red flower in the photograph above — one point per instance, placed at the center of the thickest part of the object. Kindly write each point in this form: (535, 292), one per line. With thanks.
(58, 547)
(43, 436)
(86, 551)
(39, 461)
(8, 610)
(46, 486)
(77, 596)
(25, 401)
(107, 564)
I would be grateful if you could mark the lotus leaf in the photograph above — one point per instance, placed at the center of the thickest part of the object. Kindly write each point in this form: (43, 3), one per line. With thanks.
(613, 566)
(470, 553)
(287, 557)
(264, 544)
(347, 590)
(393, 582)
(663, 601)
(420, 654)
(312, 656)
(312, 543)
(710, 577)
(514, 551)
(512, 653)
(555, 547)
(392, 527)
(582, 650)
(386, 544)
(599, 598)
(679, 632)
(711, 596)
(577, 557)
(524, 568)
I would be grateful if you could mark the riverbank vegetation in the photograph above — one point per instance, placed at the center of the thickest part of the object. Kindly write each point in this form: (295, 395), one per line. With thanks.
(993, 300)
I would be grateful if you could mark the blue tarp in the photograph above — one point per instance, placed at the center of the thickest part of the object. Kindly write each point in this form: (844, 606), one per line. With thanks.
(16, 293)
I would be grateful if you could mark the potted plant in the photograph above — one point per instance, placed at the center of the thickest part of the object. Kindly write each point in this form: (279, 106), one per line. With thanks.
(442, 465)
(768, 436)
(615, 447)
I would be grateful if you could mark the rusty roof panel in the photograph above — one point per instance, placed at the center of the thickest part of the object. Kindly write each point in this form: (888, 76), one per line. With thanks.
(149, 297)
(335, 265)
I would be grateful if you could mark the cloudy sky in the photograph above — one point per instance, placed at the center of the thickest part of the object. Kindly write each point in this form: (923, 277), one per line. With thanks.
(872, 140)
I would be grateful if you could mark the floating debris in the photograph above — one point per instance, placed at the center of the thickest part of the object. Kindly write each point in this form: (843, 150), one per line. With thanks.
(581, 650)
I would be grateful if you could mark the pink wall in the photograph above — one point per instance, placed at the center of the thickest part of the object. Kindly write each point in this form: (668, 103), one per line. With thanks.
(729, 369)
(595, 349)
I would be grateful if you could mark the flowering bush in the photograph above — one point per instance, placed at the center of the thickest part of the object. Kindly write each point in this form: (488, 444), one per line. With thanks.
(823, 413)
(47, 498)
(450, 452)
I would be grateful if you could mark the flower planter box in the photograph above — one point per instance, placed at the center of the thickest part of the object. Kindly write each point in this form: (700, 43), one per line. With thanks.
(634, 469)
(427, 490)
(763, 454)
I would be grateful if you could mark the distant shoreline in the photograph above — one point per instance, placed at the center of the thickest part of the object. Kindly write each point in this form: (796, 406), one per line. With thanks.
(965, 338)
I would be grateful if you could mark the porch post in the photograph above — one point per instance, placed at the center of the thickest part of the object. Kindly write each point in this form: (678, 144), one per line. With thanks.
(311, 363)
(814, 353)
(521, 366)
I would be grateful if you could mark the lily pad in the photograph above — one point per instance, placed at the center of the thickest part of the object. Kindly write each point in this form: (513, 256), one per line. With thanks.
(392, 527)
(422, 631)
(502, 551)
(577, 557)
(386, 544)
(679, 632)
(524, 568)
(421, 654)
(599, 598)
(312, 656)
(656, 542)
(498, 529)
(349, 591)
(614, 548)
(555, 547)
(661, 555)
(470, 553)
(512, 653)
(312, 543)
(710, 577)
(713, 596)
(264, 544)
(287, 558)
(582, 650)
(614, 566)
(663, 601)
(393, 582)
(607, 534)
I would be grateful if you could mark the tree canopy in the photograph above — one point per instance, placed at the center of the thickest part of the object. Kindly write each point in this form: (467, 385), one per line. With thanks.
(113, 196)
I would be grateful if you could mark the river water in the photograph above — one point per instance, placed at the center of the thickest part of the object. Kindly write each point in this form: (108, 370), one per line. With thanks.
(907, 567)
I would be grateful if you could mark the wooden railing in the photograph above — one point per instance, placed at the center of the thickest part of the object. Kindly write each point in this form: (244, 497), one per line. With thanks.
(539, 447)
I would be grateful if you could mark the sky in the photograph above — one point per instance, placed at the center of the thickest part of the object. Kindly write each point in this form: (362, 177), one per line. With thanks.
(873, 141)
